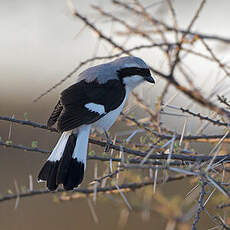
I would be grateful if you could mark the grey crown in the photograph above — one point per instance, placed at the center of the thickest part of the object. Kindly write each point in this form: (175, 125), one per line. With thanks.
(108, 71)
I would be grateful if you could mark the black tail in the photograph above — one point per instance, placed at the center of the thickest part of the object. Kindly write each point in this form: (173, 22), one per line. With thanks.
(67, 171)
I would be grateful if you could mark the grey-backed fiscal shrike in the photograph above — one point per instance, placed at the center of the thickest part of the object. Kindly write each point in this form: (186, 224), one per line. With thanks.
(94, 101)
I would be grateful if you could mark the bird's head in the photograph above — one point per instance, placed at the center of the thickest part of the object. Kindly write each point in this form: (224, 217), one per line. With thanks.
(132, 71)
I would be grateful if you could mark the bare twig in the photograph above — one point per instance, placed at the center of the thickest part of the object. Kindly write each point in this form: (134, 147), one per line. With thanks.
(201, 201)
(86, 191)
(172, 28)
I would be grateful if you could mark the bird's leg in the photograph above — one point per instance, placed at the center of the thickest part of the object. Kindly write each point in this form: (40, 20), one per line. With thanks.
(108, 141)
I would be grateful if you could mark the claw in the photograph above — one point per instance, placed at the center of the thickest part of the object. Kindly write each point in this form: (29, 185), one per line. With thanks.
(108, 142)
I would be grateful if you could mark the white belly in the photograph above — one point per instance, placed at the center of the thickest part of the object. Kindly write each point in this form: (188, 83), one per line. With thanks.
(108, 120)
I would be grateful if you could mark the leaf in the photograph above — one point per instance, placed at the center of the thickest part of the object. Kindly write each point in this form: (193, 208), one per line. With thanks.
(34, 144)
(91, 153)
(56, 199)
(143, 139)
(9, 142)
(104, 154)
(23, 189)
(26, 116)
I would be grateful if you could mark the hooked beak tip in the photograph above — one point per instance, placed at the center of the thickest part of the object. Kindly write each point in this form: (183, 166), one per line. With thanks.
(150, 79)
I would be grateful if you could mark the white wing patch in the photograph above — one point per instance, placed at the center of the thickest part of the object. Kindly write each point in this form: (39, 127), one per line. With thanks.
(95, 108)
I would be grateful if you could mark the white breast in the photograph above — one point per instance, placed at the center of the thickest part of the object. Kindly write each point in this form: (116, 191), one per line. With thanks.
(108, 120)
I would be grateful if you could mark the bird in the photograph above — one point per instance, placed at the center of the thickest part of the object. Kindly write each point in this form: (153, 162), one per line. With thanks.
(94, 102)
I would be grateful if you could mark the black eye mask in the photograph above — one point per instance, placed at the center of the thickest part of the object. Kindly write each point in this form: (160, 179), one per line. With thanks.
(130, 71)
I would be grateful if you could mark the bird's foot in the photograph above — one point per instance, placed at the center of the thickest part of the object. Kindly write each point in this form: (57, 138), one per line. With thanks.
(108, 142)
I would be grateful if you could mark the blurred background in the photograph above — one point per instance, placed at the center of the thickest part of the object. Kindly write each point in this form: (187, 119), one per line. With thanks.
(41, 42)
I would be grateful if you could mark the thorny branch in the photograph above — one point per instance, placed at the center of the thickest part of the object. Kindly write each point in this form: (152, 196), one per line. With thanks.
(162, 136)
(113, 189)
(170, 28)
(193, 158)
(215, 122)
(201, 201)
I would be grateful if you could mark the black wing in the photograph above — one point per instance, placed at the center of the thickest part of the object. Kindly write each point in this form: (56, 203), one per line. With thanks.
(73, 101)
(55, 114)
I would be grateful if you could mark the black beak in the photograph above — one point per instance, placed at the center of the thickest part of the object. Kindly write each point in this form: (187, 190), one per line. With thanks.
(150, 79)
